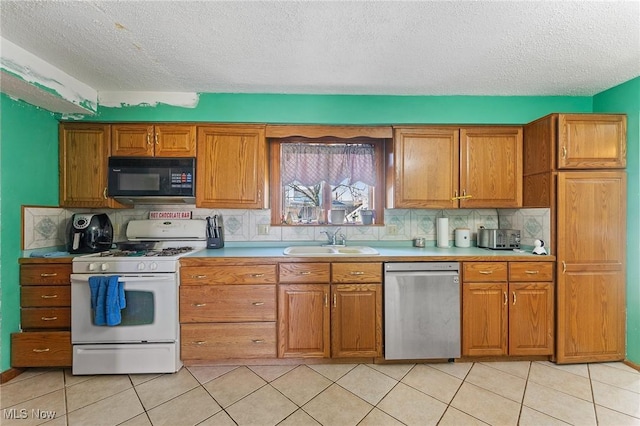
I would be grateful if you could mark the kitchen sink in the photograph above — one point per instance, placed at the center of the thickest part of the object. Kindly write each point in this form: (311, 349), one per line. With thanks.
(330, 251)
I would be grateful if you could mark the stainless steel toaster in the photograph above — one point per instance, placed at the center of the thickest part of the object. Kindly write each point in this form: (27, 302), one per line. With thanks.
(499, 239)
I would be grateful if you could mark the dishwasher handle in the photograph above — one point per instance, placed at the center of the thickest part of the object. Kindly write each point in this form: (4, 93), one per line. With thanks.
(422, 273)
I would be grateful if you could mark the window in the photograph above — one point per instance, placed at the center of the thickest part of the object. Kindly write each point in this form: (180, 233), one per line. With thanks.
(327, 181)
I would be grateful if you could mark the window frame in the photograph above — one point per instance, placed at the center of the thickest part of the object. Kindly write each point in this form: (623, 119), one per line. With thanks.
(275, 181)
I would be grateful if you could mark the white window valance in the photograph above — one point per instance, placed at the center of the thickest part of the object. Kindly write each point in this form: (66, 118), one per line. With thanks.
(311, 163)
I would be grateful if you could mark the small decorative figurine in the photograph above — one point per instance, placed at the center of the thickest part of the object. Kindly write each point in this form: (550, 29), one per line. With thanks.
(539, 247)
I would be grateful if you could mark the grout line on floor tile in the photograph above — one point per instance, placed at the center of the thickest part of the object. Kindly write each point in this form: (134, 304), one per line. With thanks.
(524, 392)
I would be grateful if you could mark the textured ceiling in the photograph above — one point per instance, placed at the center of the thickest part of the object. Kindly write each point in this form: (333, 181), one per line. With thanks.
(317, 47)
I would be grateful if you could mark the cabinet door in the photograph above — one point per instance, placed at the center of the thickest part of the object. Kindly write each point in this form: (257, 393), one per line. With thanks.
(175, 140)
(425, 173)
(303, 320)
(531, 318)
(591, 225)
(84, 153)
(484, 319)
(231, 167)
(132, 140)
(356, 320)
(491, 167)
(593, 141)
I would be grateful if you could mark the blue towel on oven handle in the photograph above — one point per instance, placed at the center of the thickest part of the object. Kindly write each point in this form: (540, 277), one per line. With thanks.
(107, 299)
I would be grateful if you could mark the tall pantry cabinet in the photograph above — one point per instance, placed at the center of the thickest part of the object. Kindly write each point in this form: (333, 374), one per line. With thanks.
(573, 164)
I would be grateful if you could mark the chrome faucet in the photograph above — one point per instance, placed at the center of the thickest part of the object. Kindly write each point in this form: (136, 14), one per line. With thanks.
(335, 239)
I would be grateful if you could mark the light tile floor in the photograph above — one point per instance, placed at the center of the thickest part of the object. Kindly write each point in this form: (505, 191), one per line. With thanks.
(495, 393)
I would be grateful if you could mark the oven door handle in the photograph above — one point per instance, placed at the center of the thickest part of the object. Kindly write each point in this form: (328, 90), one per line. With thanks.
(128, 278)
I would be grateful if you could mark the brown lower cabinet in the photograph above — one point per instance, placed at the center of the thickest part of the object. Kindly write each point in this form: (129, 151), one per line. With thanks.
(228, 312)
(507, 308)
(334, 310)
(45, 316)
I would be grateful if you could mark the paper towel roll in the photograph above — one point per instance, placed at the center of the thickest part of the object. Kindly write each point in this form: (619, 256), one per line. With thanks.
(442, 232)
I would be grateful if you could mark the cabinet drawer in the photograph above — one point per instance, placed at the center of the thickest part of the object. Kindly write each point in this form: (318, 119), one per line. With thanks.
(41, 349)
(484, 271)
(220, 341)
(43, 296)
(45, 318)
(305, 272)
(253, 274)
(228, 303)
(45, 274)
(356, 272)
(530, 271)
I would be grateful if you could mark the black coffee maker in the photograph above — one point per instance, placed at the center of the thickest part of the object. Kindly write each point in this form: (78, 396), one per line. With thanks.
(89, 233)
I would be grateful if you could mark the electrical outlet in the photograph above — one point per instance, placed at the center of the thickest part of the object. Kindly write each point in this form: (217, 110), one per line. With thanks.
(263, 229)
(392, 229)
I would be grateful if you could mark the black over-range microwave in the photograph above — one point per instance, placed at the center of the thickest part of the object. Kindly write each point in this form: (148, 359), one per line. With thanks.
(152, 180)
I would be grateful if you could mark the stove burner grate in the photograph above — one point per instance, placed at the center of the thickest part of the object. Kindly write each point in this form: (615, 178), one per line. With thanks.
(171, 251)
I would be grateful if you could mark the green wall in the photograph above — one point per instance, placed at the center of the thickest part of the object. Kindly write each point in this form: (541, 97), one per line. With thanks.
(29, 176)
(350, 109)
(625, 98)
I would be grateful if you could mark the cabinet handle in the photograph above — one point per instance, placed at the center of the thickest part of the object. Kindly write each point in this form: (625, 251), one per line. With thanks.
(486, 272)
(256, 275)
(104, 193)
(200, 342)
(464, 195)
(564, 267)
(148, 139)
(41, 350)
(305, 273)
(49, 296)
(52, 274)
(564, 152)
(257, 341)
(506, 298)
(531, 272)
(514, 297)
(455, 196)
(199, 305)
(357, 273)
(198, 277)
(156, 138)
(326, 300)
(335, 300)
(258, 303)
(49, 318)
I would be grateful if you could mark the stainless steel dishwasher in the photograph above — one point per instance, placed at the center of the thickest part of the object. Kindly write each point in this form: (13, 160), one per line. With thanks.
(422, 310)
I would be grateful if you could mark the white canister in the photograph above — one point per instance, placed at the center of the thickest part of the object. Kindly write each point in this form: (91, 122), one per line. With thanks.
(462, 237)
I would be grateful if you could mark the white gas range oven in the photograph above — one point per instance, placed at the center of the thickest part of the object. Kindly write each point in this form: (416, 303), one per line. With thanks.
(146, 339)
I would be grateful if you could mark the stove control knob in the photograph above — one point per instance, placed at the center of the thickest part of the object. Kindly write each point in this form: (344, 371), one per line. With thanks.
(140, 266)
(104, 266)
(92, 267)
(153, 266)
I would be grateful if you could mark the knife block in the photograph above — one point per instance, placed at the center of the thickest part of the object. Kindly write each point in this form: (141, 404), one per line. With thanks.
(216, 242)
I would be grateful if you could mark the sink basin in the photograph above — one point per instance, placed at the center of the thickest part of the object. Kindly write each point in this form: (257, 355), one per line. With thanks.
(330, 251)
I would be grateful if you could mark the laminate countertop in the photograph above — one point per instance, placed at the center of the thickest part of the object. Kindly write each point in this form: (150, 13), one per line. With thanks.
(386, 254)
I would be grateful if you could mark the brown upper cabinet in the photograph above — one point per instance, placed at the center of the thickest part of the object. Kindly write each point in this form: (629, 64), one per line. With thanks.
(84, 153)
(575, 141)
(231, 170)
(442, 167)
(149, 140)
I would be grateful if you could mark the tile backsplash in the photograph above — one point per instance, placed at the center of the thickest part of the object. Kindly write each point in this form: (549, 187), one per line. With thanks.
(46, 226)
